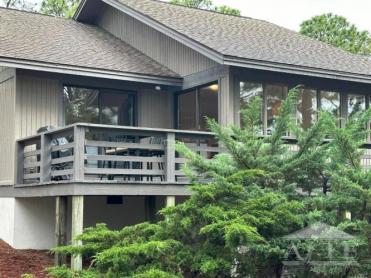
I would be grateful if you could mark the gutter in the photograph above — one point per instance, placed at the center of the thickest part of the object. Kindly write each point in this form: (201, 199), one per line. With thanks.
(90, 72)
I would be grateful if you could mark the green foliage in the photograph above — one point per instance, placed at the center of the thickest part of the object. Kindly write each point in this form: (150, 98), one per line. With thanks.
(206, 5)
(63, 8)
(337, 31)
(245, 202)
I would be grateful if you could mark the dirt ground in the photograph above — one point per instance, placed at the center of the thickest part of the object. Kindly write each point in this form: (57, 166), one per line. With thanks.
(14, 263)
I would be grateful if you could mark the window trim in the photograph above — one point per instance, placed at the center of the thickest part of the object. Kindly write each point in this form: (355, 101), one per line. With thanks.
(197, 91)
(99, 89)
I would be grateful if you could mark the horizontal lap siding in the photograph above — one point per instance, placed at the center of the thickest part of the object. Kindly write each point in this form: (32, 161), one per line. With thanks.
(156, 45)
(39, 103)
(7, 137)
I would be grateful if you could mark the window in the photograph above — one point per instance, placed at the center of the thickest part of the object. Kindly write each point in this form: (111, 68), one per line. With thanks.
(98, 106)
(208, 105)
(81, 105)
(187, 111)
(330, 102)
(249, 90)
(197, 105)
(274, 95)
(306, 107)
(356, 103)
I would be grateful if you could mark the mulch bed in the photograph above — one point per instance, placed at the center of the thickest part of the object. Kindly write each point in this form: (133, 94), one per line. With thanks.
(14, 263)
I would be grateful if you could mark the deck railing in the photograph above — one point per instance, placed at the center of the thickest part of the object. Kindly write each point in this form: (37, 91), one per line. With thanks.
(87, 152)
(90, 152)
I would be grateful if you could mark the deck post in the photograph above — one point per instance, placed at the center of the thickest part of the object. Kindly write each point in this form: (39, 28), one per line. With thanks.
(170, 157)
(77, 228)
(79, 153)
(60, 228)
(45, 158)
(170, 201)
(18, 163)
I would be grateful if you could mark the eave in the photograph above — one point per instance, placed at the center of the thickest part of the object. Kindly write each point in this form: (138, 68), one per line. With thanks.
(90, 72)
(229, 60)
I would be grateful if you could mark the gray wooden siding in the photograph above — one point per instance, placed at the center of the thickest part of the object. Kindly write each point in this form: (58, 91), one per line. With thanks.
(39, 103)
(156, 45)
(154, 109)
(7, 113)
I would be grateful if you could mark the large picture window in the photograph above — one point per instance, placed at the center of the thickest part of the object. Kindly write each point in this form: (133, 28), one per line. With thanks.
(98, 106)
(195, 106)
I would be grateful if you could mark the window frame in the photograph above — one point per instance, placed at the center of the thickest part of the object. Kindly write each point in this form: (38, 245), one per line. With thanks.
(197, 91)
(343, 98)
(133, 93)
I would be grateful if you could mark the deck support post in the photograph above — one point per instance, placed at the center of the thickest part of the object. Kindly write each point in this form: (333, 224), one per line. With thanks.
(77, 228)
(79, 153)
(170, 201)
(170, 157)
(60, 228)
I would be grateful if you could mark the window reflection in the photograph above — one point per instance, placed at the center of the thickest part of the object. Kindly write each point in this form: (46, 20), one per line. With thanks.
(117, 108)
(306, 107)
(98, 106)
(81, 105)
(274, 94)
(249, 90)
(356, 103)
(330, 102)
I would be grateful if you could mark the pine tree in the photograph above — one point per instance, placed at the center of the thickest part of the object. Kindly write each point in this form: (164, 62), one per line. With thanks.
(245, 201)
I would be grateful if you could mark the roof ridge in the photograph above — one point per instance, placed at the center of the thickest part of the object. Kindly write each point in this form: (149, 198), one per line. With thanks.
(210, 11)
(36, 13)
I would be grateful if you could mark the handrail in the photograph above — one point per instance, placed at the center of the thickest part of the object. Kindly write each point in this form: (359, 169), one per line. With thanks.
(149, 154)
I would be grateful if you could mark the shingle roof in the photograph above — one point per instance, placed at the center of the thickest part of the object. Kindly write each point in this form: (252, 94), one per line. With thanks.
(35, 37)
(249, 38)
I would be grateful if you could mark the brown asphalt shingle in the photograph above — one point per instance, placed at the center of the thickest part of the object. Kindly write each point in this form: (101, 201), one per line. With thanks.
(41, 38)
(251, 39)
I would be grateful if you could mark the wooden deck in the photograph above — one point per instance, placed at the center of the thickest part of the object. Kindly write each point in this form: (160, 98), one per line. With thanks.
(107, 154)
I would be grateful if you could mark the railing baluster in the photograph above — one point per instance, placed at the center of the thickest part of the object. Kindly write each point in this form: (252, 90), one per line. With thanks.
(18, 163)
(45, 158)
(79, 153)
(170, 157)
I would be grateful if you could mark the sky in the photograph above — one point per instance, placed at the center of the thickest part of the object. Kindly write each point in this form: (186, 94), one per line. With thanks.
(290, 13)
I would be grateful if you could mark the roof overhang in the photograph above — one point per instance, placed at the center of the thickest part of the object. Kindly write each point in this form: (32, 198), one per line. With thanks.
(295, 69)
(90, 72)
(83, 10)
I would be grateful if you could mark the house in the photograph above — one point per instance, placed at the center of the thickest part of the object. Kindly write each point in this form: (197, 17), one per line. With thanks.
(90, 107)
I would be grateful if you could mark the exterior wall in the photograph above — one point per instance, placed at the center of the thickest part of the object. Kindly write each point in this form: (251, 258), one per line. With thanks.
(34, 221)
(39, 103)
(7, 219)
(155, 109)
(156, 45)
(7, 114)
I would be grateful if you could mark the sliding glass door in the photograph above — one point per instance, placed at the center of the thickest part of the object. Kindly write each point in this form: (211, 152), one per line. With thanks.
(98, 106)
(195, 106)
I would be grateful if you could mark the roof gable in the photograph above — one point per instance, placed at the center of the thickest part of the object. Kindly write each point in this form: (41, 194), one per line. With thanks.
(243, 41)
(30, 37)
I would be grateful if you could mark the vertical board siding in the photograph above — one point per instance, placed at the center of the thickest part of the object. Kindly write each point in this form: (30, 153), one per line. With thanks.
(7, 137)
(38, 104)
(154, 109)
(156, 45)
